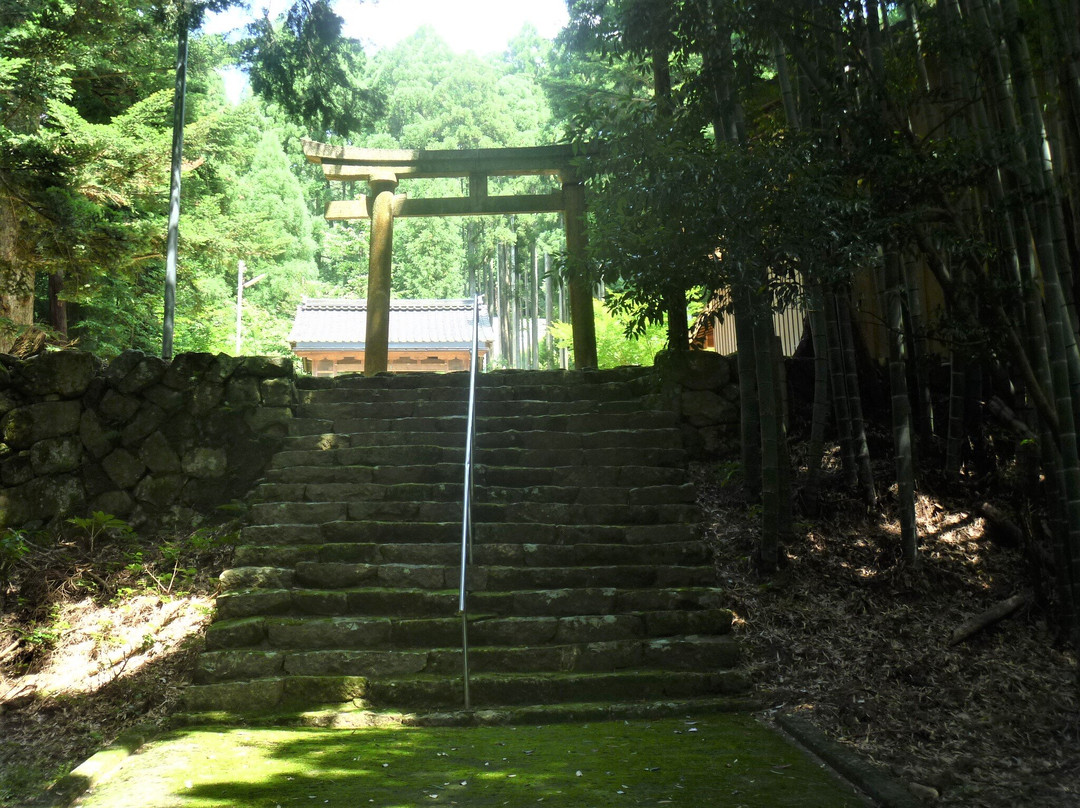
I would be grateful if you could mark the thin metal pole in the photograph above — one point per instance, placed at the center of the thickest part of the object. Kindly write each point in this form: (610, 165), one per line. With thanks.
(239, 305)
(172, 239)
(466, 516)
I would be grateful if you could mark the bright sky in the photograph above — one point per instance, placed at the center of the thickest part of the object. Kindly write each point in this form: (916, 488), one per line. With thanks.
(481, 26)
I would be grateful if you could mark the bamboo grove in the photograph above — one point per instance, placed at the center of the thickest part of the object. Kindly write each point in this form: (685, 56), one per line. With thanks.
(811, 150)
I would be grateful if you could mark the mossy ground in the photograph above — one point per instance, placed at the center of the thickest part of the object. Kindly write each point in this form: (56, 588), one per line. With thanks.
(729, 760)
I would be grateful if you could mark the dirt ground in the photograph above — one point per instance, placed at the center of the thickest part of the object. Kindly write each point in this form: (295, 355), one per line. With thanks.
(843, 634)
(859, 644)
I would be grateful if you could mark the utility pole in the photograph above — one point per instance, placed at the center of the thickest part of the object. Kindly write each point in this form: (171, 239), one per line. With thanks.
(173, 235)
(241, 285)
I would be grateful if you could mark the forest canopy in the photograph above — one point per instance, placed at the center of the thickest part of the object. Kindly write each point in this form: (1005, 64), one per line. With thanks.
(85, 127)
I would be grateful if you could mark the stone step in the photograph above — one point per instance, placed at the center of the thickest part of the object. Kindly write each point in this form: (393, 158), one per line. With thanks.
(354, 589)
(659, 438)
(313, 632)
(330, 575)
(343, 531)
(487, 689)
(555, 455)
(491, 394)
(634, 476)
(414, 407)
(424, 690)
(515, 379)
(341, 419)
(550, 513)
(695, 652)
(453, 492)
(377, 600)
(684, 553)
(556, 393)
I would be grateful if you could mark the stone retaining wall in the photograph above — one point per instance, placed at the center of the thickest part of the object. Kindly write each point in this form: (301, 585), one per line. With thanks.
(138, 437)
(704, 391)
(151, 441)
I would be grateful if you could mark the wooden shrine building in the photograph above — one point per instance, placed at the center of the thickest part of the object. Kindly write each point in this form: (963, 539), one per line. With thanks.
(425, 335)
(382, 169)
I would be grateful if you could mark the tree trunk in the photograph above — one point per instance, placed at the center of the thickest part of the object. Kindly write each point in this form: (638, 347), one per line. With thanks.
(16, 276)
(841, 399)
(750, 419)
(820, 417)
(773, 492)
(58, 313)
(858, 425)
(954, 442)
(901, 410)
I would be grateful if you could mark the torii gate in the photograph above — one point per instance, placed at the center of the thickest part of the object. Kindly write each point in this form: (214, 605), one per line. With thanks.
(381, 169)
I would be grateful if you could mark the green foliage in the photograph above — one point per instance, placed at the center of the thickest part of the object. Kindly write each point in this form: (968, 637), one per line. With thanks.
(303, 64)
(14, 546)
(100, 524)
(172, 566)
(615, 346)
(85, 128)
(46, 633)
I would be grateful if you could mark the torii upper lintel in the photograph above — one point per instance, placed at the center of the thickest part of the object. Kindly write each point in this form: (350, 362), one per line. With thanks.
(381, 170)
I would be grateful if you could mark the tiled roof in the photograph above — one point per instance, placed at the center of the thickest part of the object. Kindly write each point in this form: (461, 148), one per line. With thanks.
(339, 323)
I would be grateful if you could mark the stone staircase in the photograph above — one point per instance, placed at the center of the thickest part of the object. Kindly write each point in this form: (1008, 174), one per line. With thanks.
(591, 592)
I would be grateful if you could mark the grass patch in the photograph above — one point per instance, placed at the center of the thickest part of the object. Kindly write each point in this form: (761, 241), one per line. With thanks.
(729, 760)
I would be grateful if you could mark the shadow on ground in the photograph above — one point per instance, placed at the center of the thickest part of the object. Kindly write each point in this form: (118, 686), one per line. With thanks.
(729, 760)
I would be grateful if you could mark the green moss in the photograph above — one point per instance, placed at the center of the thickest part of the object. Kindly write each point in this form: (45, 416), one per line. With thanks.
(726, 760)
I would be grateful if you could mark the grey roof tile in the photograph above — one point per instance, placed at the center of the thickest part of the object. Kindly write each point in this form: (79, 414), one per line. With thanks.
(341, 323)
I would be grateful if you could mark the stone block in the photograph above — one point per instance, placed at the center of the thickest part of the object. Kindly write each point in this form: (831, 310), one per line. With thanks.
(204, 494)
(120, 366)
(278, 393)
(702, 407)
(56, 496)
(217, 666)
(146, 372)
(223, 366)
(25, 426)
(123, 468)
(56, 455)
(95, 438)
(63, 373)
(206, 396)
(164, 396)
(159, 492)
(118, 503)
(117, 408)
(14, 511)
(272, 420)
(267, 367)
(16, 469)
(694, 370)
(186, 370)
(158, 455)
(8, 401)
(235, 697)
(242, 392)
(205, 463)
(148, 418)
(95, 480)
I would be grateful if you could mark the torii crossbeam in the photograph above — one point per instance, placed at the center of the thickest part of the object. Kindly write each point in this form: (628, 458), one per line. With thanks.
(382, 168)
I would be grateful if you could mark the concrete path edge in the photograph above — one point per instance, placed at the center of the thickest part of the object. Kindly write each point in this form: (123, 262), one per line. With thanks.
(874, 780)
(92, 771)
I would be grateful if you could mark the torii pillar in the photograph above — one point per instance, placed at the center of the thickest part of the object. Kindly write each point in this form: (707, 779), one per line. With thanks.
(381, 189)
(583, 325)
(381, 168)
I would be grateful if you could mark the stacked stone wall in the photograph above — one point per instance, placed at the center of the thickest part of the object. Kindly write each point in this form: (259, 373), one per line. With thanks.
(137, 437)
(704, 390)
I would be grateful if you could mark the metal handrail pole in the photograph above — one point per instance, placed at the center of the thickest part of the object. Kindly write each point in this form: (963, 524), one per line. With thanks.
(466, 515)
